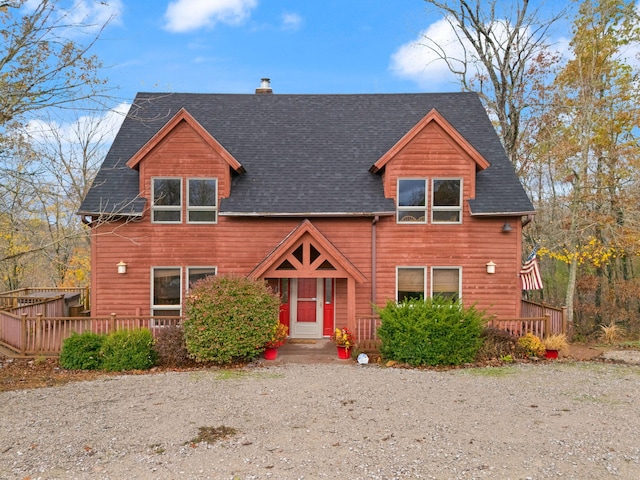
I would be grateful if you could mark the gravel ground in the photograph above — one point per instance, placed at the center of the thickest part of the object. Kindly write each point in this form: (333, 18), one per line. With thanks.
(573, 420)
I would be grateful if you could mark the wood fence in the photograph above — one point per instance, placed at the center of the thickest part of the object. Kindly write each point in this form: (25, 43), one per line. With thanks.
(14, 299)
(39, 335)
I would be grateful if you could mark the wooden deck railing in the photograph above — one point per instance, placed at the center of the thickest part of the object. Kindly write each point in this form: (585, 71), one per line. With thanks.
(22, 296)
(538, 318)
(39, 335)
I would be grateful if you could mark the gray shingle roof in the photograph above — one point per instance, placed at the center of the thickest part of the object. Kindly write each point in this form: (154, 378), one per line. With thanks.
(306, 154)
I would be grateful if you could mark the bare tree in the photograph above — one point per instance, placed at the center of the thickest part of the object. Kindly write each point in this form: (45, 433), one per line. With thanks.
(503, 50)
(42, 62)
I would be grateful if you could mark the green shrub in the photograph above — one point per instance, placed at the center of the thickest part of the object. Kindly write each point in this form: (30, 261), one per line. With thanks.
(128, 350)
(430, 332)
(229, 318)
(82, 351)
(170, 347)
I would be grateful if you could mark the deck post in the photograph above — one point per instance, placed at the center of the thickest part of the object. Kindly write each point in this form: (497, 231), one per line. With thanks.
(23, 333)
(547, 325)
(38, 334)
(112, 323)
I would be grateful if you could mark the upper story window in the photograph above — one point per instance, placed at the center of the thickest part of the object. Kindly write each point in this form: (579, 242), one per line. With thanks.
(412, 200)
(167, 200)
(203, 200)
(446, 201)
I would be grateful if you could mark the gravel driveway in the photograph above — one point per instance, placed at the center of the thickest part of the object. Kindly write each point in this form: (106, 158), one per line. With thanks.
(573, 420)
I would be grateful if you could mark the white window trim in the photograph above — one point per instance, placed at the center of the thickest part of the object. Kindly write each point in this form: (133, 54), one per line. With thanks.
(165, 208)
(415, 267)
(443, 267)
(204, 208)
(421, 210)
(152, 291)
(435, 208)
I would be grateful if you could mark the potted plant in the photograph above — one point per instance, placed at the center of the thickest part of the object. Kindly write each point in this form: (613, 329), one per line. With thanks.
(555, 343)
(343, 339)
(278, 337)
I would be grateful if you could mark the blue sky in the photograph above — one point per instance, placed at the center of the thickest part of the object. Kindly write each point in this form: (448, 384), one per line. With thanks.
(226, 46)
(303, 46)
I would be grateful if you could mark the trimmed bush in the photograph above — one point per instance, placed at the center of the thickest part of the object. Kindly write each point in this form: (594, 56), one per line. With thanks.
(229, 318)
(82, 351)
(128, 350)
(170, 347)
(432, 332)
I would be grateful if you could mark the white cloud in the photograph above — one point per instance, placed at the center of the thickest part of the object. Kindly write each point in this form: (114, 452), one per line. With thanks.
(91, 14)
(187, 15)
(291, 21)
(94, 12)
(415, 60)
(100, 129)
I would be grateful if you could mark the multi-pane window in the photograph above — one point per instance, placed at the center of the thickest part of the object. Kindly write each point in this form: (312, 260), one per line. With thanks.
(167, 200)
(203, 200)
(412, 200)
(446, 201)
(445, 282)
(410, 283)
(198, 273)
(166, 291)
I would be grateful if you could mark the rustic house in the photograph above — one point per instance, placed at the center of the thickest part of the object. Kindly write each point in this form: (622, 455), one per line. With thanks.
(339, 202)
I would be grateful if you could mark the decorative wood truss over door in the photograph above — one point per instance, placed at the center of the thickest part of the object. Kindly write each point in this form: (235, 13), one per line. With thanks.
(307, 253)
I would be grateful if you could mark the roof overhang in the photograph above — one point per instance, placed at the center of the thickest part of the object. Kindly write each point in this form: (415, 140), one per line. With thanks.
(305, 214)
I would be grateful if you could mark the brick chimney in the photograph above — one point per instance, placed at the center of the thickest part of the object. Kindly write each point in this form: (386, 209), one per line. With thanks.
(265, 86)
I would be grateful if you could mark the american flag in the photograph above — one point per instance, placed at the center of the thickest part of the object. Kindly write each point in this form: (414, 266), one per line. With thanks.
(530, 273)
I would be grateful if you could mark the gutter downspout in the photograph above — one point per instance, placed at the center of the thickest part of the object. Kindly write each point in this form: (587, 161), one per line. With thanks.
(374, 262)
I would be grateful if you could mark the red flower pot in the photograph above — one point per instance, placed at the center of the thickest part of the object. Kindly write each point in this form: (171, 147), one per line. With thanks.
(270, 353)
(551, 354)
(343, 352)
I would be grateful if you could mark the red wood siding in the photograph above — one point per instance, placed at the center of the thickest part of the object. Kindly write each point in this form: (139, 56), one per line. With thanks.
(238, 245)
(184, 153)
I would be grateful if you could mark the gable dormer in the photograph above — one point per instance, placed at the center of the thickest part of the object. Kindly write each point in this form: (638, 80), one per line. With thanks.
(435, 166)
(184, 147)
(180, 158)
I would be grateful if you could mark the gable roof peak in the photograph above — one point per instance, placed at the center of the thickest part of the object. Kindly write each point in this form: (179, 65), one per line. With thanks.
(432, 117)
(184, 116)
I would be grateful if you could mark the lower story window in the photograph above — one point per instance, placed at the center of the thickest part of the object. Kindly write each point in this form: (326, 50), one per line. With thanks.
(410, 283)
(445, 282)
(198, 273)
(166, 291)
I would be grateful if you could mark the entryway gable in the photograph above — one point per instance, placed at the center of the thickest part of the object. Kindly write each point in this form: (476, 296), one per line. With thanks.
(306, 252)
